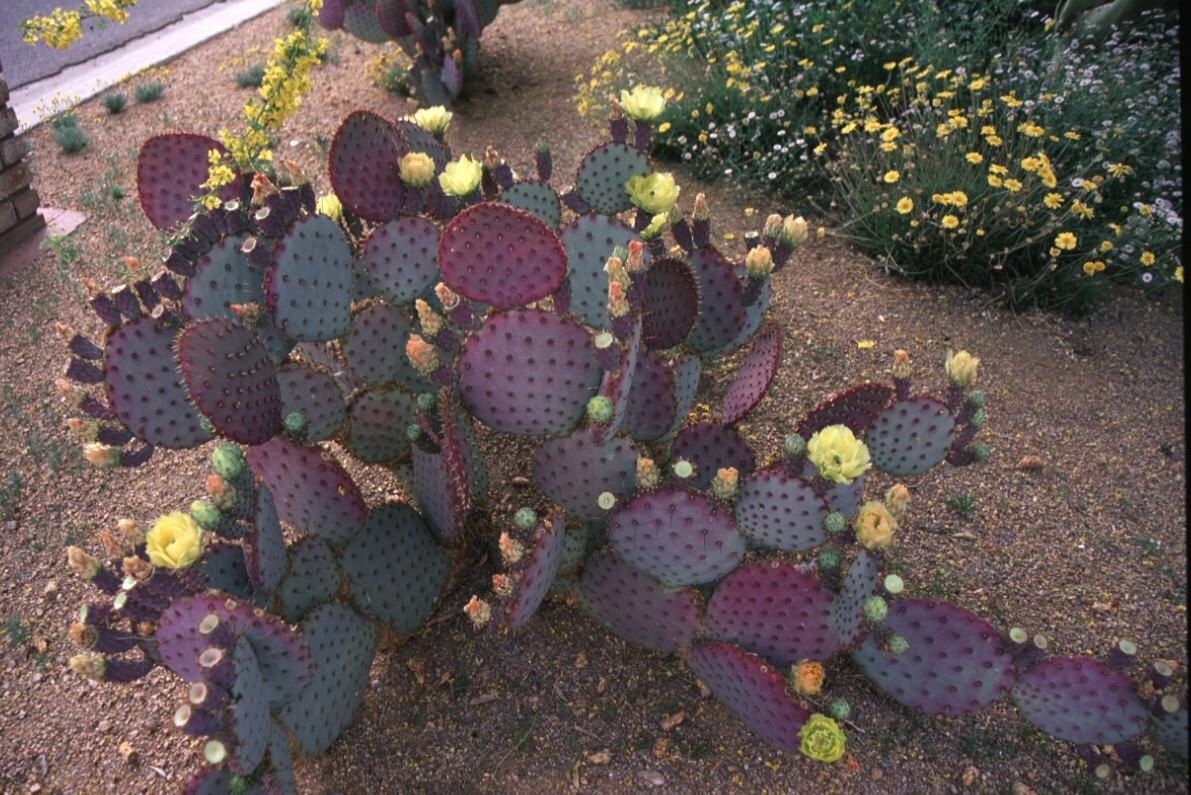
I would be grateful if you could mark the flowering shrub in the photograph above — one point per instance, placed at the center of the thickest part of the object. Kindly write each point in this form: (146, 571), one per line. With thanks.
(60, 29)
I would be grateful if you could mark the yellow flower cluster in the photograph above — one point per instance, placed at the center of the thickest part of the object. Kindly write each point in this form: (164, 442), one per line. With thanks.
(60, 29)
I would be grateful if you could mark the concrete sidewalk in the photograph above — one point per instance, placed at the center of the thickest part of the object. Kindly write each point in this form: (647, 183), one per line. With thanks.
(36, 101)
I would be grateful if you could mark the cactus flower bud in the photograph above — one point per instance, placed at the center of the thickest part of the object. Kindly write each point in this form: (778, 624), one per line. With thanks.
(83, 635)
(794, 231)
(431, 321)
(479, 611)
(683, 468)
(137, 568)
(525, 518)
(103, 456)
(875, 609)
(654, 229)
(839, 709)
(296, 175)
(91, 666)
(133, 533)
(647, 474)
(773, 227)
(83, 430)
(834, 523)
(599, 409)
(262, 188)
(614, 112)
(81, 563)
(976, 398)
(433, 120)
(701, 210)
(725, 483)
(653, 193)
(977, 420)
(70, 394)
(542, 147)
(807, 678)
(961, 369)
(423, 355)
(502, 585)
(896, 498)
(897, 645)
(643, 103)
(205, 514)
(222, 492)
(795, 445)
(635, 259)
(227, 460)
(901, 369)
(829, 559)
(461, 177)
(758, 262)
(511, 550)
(618, 304)
(329, 205)
(615, 269)
(413, 432)
(894, 584)
(874, 526)
(416, 169)
(446, 296)
(606, 501)
(296, 423)
(175, 541)
(113, 547)
(250, 313)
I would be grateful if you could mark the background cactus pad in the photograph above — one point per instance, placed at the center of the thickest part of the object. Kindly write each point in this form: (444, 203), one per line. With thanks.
(603, 173)
(573, 471)
(636, 607)
(754, 375)
(363, 166)
(1080, 700)
(170, 171)
(910, 437)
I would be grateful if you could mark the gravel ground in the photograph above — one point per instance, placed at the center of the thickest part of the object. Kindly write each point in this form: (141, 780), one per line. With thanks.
(1088, 549)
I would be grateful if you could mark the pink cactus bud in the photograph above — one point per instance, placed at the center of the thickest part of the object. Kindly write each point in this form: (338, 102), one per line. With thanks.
(901, 365)
(113, 547)
(895, 500)
(431, 321)
(104, 456)
(773, 227)
(83, 430)
(250, 313)
(479, 611)
(502, 585)
(636, 260)
(91, 666)
(81, 563)
(262, 188)
(446, 296)
(423, 355)
(702, 211)
(614, 114)
(648, 475)
(618, 304)
(64, 331)
(68, 392)
(725, 482)
(138, 568)
(296, 175)
(615, 269)
(133, 533)
(491, 158)
(222, 492)
(511, 550)
(83, 635)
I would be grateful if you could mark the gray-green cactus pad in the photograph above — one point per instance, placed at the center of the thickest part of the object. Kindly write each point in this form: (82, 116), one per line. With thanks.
(264, 545)
(537, 198)
(1170, 729)
(248, 716)
(375, 347)
(847, 611)
(377, 423)
(222, 277)
(589, 241)
(309, 289)
(395, 567)
(910, 437)
(313, 578)
(636, 607)
(401, 257)
(341, 645)
(603, 174)
(315, 394)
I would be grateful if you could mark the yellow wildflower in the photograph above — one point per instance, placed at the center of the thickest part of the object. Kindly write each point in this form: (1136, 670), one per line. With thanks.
(905, 205)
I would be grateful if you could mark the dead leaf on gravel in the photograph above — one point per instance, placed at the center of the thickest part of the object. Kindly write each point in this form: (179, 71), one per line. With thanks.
(581, 660)
(673, 720)
(1030, 463)
(661, 748)
(963, 534)
(704, 690)
(1103, 607)
(418, 668)
(600, 758)
(601, 686)
(484, 699)
(651, 777)
(969, 776)
(128, 753)
(1021, 789)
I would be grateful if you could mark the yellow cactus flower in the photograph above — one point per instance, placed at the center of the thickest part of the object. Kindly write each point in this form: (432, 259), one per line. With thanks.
(416, 169)
(822, 739)
(961, 368)
(175, 541)
(874, 526)
(643, 103)
(837, 454)
(330, 206)
(759, 262)
(655, 193)
(434, 120)
(460, 177)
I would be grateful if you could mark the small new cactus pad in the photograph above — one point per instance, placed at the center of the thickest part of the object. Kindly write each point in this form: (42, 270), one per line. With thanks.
(170, 171)
(1170, 729)
(401, 257)
(589, 240)
(711, 446)
(777, 511)
(313, 578)
(145, 388)
(753, 689)
(341, 644)
(313, 492)
(248, 716)
(956, 663)
(315, 394)
(363, 166)
(677, 536)
(573, 471)
(603, 173)
(309, 288)
(722, 316)
(536, 198)
(618, 384)
(775, 609)
(537, 572)
(374, 349)
(652, 403)
(1080, 700)
(528, 372)
(441, 489)
(222, 567)
(395, 567)
(856, 408)
(754, 375)
(910, 437)
(847, 610)
(232, 380)
(636, 607)
(669, 303)
(461, 444)
(377, 421)
(687, 368)
(574, 548)
(264, 545)
(496, 254)
(222, 276)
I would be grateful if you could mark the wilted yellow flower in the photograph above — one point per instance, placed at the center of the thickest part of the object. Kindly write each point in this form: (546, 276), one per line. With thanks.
(837, 454)
(460, 177)
(422, 354)
(104, 456)
(416, 169)
(330, 206)
(874, 526)
(896, 499)
(643, 103)
(905, 205)
(807, 678)
(961, 368)
(434, 120)
(655, 193)
(174, 542)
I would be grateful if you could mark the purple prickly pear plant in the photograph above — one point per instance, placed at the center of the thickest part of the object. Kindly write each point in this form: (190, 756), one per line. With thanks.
(430, 295)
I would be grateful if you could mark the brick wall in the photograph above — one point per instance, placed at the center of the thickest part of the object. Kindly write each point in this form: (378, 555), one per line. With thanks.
(18, 202)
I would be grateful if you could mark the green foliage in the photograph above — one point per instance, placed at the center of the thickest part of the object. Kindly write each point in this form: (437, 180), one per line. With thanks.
(298, 16)
(67, 134)
(150, 91)
(252, 77)
(114, 102)
(962, 503)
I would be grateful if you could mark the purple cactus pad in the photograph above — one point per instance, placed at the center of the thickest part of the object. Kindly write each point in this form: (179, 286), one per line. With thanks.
(363, 166)
(589, 241)
(313, 578)
(1081, 700)
(780, 512)
(910, 437)
(401, 257)
(536, 571)
(669, 303)
(752, 379)
(710, 446)
(248, 716)
(375, 347)
(222, 277)
(377, 420)
(636, 607)
(722, 315)
(651, 407)
(316, 395)
(574, 470)
(170, 172)
(1170, 729)
(856, 408)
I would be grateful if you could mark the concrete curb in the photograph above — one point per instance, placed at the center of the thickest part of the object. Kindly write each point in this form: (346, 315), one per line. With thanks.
(36, 102)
